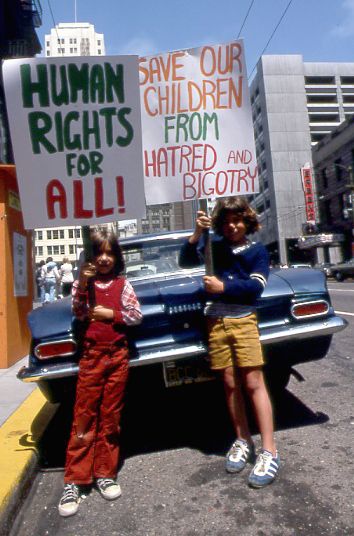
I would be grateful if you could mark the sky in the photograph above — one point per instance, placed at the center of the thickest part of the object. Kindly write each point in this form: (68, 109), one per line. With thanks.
(319, 30)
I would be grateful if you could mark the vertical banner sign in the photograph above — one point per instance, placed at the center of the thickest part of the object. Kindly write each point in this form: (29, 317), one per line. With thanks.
(76, 132)
(198, 137)
(20, 264)
(307, 186)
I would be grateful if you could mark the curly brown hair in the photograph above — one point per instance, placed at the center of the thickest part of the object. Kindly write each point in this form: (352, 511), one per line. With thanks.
(102, 237)
(238, 206)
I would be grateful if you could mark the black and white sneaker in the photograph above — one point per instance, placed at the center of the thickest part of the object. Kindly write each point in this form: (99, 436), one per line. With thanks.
(70, 500)
(108, 488)
(265, 470)
(239, 454)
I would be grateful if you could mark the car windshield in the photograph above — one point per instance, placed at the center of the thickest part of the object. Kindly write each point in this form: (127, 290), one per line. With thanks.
(151, 257)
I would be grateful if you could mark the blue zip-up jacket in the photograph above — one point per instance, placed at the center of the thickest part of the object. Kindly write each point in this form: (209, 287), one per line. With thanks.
(244, 270)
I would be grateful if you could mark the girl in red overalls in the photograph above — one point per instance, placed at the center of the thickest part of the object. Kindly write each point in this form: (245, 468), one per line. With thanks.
(93, 449)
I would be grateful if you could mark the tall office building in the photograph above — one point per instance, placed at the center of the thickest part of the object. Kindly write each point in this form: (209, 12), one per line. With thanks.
(74, 39)
(294, 105)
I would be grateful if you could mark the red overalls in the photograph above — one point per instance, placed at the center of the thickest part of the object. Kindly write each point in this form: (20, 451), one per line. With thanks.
(93, 449)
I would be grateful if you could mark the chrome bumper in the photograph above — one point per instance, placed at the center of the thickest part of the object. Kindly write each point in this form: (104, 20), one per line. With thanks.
(269, 335)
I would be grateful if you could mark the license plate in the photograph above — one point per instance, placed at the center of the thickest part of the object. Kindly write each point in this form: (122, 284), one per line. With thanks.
(186, 371)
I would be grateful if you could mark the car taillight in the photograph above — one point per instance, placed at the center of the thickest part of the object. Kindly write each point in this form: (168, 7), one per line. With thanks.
(310, 309)
(48, 350)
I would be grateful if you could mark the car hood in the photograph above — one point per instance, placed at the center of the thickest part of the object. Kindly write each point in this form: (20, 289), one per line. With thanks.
(173, 295)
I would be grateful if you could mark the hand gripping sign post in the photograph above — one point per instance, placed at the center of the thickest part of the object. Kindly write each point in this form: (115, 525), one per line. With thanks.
(198, 139)
(76, 132)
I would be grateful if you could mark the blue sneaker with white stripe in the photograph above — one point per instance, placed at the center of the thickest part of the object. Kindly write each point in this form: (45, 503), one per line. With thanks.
(239, 454)
(265, 469)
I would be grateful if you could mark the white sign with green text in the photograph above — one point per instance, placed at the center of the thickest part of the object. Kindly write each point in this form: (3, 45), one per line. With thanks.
(76, 133)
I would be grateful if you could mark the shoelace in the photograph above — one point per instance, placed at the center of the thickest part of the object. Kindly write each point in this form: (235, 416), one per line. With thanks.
(238, 449)
(105, 482)
(70, 493)
(262, 461)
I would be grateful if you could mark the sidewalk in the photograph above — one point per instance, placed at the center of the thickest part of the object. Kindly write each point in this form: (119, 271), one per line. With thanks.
(12, 391)
(24, 415)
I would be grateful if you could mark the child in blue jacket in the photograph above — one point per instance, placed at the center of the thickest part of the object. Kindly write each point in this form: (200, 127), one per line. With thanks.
(241, 269)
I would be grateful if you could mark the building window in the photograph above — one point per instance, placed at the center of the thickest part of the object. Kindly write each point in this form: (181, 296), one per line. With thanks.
(99, 42)
(55, 234)
(39, 235)
(77, 233)
(327, 208)
(62, 250)
(71, 233)
(56, 250)
(61, 233)
(49, 235)
(48, 53)
(74, 40)
(71, 249)
(71, 51)
(338, 169)
(62, 41)
(40, 251)
(319, 80)
(50, 250)
(98, 51)
(324, 178)
(347, 80)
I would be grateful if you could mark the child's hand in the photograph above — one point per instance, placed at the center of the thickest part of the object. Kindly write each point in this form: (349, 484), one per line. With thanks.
(202, 222)
(101, 313)
(87, 271)
(213, 285)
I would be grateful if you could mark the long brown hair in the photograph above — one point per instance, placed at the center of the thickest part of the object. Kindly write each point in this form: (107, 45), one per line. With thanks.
(100, 239)
(238, 206)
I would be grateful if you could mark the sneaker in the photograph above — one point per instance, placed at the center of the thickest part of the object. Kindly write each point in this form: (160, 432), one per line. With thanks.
(265, 469)
(70, 500)
(239, 454)
(108, 488)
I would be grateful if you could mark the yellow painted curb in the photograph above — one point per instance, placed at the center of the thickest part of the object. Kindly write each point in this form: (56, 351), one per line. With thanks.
(18, 449)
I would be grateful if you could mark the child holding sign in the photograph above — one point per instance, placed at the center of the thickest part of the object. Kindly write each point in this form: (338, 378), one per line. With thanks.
(107, 301)
(241, 271)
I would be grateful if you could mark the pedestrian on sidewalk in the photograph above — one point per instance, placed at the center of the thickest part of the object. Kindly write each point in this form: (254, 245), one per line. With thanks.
(66, 277)
(40, 282)
(105, 301)
(50, 277)
(241, 271)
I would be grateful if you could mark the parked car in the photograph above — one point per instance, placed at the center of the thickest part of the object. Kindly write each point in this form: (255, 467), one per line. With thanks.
(343, 270)
(296, 321)
(325, 267)
(300, 265)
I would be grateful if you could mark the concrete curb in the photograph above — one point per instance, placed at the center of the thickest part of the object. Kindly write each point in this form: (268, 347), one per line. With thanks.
(19, 437)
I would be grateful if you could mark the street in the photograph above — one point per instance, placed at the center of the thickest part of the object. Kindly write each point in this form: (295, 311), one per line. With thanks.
(172, 474)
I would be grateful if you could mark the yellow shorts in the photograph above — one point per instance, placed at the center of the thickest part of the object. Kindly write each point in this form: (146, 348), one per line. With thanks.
(234, 342)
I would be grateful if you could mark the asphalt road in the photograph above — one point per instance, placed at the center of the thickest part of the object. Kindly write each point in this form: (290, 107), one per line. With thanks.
(172, 475)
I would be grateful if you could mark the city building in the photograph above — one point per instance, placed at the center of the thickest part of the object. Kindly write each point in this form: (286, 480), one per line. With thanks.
(333, 161)
(18, 39)
(294, 104)
(168, 217)
(74, 39)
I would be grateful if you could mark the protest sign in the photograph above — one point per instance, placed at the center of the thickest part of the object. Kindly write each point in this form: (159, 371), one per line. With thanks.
(198, 137)
(76, 132)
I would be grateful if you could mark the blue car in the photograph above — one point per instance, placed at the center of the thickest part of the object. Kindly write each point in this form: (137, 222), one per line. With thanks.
(296, 322)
